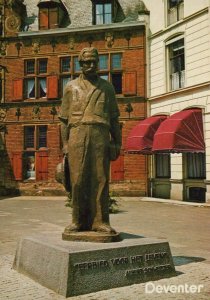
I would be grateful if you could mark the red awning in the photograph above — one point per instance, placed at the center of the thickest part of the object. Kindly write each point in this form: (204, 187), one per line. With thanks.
(140, 138)
(182, 132)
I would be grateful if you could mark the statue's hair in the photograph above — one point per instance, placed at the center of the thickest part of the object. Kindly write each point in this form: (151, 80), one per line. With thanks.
(91, 50)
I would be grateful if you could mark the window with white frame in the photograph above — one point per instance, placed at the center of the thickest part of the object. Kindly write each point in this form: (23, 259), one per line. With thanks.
(110, 68)
(176, 63)
(35, 81)
(162, 165)
(35, 137)
(35, 141)
(69, 69)
(175, 11)
(104, 11)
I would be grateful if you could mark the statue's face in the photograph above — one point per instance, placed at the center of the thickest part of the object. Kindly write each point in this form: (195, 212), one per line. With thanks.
(89, 64)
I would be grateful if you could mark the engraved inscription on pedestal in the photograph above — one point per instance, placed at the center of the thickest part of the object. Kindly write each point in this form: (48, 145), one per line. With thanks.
(133, 265)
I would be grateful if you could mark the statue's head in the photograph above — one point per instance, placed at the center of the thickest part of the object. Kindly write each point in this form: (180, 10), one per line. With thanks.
(88, 59)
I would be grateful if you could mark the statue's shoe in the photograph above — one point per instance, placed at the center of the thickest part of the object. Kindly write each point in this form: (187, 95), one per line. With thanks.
(104, 228)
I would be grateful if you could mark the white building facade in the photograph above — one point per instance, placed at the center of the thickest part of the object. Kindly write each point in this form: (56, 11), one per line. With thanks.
(178, 80)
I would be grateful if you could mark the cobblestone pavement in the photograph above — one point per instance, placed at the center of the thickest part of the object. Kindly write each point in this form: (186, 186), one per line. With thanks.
(186, 228)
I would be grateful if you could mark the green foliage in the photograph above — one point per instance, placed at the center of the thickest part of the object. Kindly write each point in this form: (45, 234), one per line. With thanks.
(113, 205)
(68, 202)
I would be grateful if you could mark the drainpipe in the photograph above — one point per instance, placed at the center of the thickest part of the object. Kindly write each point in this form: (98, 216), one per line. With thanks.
(2, 85)
(2, 68)
(3, 71)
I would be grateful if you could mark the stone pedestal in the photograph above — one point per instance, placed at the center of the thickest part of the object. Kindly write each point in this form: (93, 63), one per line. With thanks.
(74, 268)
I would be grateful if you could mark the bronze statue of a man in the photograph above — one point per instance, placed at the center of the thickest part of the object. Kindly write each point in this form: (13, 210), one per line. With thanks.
(91, 135)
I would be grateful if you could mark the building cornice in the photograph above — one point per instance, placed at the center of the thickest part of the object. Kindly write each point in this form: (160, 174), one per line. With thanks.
(22, 104)
(87, 29)
(48, 103)
(180, 91)
(73, 52)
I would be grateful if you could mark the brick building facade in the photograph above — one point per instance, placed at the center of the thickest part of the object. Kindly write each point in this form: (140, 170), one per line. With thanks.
(39, 45)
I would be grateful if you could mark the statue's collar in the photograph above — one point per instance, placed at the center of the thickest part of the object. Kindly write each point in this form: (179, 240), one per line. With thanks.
(86, 84)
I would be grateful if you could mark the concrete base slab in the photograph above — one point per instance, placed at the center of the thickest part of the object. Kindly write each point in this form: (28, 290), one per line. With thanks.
(74, 268)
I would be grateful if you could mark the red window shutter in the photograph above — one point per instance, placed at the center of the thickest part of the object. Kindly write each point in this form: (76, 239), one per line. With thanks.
(117, 169)
(43, 18)
(41, 165)
(129, 83)
(53, 18)
(52, 87)
(17, 89)
(17, 165)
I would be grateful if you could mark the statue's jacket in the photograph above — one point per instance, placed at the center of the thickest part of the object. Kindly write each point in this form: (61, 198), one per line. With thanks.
(87, 103)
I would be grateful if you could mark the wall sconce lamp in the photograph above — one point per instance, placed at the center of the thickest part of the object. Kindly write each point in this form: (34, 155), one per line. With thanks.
(53, 43)
(18, 47)
(36, 112)
(128, 109)
(18, 113)
(53, 112)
